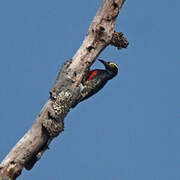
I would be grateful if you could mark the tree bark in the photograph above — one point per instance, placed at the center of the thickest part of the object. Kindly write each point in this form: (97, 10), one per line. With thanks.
(50, 121)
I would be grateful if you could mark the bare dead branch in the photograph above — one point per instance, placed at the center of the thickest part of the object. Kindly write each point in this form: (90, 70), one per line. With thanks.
(50, 121)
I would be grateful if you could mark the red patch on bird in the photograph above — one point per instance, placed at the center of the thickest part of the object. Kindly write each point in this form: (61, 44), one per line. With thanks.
(92, 74)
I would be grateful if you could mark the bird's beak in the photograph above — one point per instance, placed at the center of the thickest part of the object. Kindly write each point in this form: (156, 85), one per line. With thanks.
(103, 62)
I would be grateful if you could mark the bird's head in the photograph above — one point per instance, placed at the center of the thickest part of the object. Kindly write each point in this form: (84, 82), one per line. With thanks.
(111, 67)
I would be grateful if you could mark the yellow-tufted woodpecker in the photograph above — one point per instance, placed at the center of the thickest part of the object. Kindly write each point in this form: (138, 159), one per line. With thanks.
(96, 80)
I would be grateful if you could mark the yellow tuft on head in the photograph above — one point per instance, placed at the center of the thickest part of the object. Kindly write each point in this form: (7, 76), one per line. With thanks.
(112, 64)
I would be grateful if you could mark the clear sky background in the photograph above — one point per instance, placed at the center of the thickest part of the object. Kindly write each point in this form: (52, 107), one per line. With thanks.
(128, 131)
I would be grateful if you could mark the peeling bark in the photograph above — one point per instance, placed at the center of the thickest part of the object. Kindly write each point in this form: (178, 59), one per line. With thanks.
(50, 121)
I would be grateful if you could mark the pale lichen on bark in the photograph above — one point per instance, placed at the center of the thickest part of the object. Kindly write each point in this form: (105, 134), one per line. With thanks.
(55, 122)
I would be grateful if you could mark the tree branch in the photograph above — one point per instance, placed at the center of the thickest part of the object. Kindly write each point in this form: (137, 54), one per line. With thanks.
(50, 121)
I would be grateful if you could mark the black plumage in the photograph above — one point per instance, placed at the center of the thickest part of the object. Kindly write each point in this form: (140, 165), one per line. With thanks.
(96, 80)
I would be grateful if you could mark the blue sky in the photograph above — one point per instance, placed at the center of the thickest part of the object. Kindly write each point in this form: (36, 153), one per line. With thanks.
(129, 130)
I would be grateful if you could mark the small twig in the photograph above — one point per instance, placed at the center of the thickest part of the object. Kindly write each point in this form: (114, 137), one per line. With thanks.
(119, 41)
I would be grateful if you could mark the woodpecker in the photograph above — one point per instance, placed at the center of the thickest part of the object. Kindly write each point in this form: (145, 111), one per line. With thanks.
(96, 80)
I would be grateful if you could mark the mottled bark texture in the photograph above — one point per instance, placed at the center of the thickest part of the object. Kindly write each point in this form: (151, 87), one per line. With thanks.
(50, 121)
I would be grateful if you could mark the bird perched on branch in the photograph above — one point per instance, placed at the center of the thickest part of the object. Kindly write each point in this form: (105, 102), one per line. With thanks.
(96, 80)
